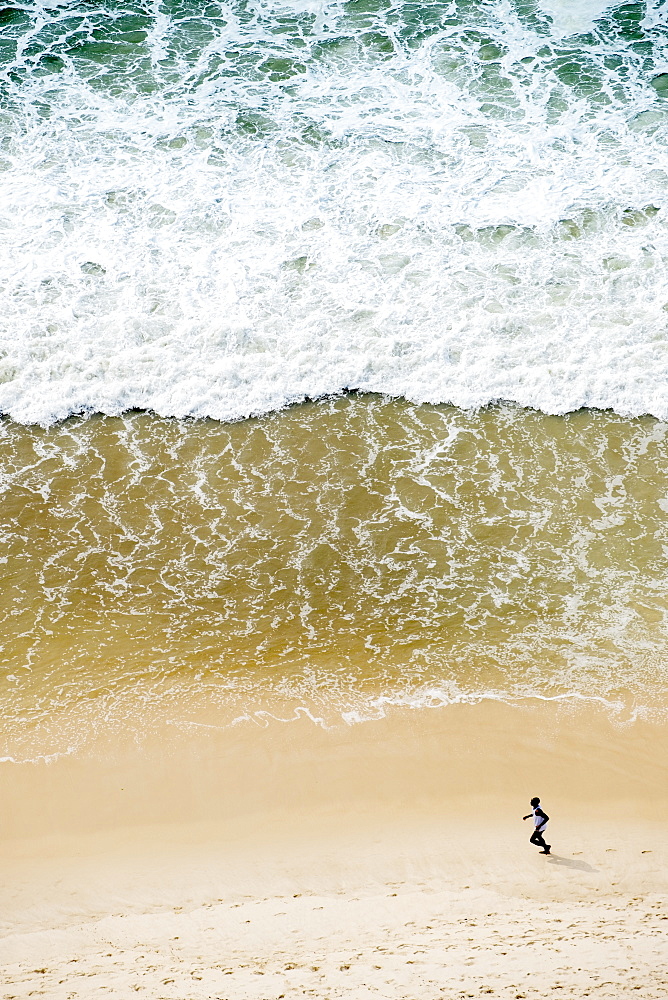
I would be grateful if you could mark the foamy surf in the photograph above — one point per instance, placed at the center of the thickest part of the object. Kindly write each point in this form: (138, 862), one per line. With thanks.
(219, 215)
(338, 560)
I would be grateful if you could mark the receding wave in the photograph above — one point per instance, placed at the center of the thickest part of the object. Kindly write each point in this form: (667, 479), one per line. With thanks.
(218, 210)
(334, 558)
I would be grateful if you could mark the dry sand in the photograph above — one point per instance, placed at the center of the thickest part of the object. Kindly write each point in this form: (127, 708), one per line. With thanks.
(387, 859)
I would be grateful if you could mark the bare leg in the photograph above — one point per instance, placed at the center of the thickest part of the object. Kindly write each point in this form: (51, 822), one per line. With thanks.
(538, 839)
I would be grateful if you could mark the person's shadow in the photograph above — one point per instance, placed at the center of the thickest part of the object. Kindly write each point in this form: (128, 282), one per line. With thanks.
(580, 866)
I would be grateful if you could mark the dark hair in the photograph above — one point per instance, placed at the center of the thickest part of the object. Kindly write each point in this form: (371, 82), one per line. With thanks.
(535, 801)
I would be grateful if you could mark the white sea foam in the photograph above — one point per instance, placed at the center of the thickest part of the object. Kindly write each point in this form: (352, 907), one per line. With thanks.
(574, 18)
(242, 212)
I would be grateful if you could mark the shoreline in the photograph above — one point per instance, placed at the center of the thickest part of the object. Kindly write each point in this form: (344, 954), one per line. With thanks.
(181, 770)
(259, 849)
(301, 401)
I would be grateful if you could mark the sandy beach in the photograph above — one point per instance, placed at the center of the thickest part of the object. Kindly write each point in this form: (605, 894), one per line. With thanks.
(384, 859)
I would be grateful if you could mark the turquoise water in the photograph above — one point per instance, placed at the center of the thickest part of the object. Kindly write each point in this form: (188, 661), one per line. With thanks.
(219, 209)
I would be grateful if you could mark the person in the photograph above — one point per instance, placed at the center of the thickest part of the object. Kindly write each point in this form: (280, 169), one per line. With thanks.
(540, 820)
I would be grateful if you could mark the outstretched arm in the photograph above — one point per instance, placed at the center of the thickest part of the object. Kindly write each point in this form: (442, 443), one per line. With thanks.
(527, 817)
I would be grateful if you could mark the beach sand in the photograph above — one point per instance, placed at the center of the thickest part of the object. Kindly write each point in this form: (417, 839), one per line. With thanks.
(384, 859)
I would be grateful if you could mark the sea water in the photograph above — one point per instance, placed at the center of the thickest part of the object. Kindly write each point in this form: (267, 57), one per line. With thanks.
(215, 210)
(336, 558)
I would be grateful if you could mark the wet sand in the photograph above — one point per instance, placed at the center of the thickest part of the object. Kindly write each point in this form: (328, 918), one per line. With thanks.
(383, 859)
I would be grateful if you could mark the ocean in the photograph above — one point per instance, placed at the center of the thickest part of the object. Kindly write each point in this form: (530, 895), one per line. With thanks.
(333, 361)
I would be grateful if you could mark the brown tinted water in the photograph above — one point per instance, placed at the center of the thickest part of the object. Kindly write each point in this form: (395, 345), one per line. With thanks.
(336, 557)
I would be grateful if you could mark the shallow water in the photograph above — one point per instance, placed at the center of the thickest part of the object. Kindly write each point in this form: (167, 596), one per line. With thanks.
(337, 557)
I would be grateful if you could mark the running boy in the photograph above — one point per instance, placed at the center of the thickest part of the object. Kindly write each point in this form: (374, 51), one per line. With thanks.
(540, 820)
